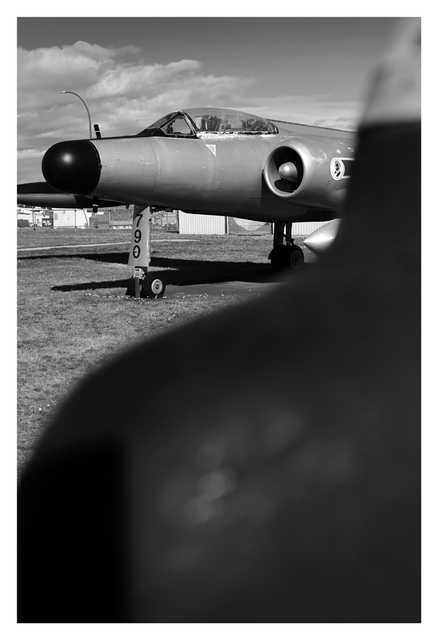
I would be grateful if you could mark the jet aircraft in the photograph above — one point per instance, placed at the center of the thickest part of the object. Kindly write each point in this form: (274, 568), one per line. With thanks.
(212, 161)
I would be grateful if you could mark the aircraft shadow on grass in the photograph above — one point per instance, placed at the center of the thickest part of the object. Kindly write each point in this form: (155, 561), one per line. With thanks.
(177, 271)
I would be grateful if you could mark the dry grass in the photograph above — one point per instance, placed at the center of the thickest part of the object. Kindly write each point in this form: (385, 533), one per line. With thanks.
(73, 313)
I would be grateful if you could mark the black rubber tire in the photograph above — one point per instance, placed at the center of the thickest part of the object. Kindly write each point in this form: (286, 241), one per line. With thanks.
(152, 286)
(296, 257)
(279, 257)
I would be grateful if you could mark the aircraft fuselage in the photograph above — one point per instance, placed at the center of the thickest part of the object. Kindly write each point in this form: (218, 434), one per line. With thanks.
(277, 173)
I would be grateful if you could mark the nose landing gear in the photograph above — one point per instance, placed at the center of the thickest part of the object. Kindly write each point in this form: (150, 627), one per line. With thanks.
(143, 284)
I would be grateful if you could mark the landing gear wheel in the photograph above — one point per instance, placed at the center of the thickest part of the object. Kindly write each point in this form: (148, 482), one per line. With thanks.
(296, 257)
(279, 257)
(152, 287)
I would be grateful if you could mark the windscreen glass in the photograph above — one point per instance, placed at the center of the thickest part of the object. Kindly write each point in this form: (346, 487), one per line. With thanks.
(204, 121)
(225, 121)
(174, 125)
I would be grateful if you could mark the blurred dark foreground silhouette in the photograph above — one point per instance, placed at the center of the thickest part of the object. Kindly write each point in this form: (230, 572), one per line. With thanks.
(261, 465)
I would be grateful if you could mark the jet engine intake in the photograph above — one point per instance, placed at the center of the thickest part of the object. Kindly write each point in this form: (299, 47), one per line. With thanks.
(284, 171)
(300, 171)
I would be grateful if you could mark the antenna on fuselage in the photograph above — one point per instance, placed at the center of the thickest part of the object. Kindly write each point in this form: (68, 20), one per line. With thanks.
(97, 131)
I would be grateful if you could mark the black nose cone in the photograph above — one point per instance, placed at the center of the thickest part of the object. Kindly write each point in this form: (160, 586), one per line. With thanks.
(72, 166)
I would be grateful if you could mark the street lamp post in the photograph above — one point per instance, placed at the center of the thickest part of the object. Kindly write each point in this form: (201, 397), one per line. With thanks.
(84, 103)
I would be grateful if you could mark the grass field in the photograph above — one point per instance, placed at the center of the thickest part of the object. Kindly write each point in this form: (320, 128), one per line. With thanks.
(73, 313)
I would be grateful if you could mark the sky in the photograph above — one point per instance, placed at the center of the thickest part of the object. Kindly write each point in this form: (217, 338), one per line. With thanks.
(132, 71)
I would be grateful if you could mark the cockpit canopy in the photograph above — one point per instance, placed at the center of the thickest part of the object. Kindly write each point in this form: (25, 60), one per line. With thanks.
(195, 123)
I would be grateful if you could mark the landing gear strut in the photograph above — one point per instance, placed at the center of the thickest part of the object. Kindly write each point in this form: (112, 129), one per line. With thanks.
(285, 256)
(143, 284)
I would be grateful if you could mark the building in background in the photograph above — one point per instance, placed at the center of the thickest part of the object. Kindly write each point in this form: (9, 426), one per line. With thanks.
(33, 217)
(112, 218)
(239, 226)
(71, 218)
(191, 223)
(199, 224)
(166, 219)
(54, 218)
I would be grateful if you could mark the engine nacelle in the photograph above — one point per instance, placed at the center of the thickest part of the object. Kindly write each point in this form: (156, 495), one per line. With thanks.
(308, 173)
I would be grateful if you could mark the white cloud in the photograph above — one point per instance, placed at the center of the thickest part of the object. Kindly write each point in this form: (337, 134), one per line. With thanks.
(140, 79)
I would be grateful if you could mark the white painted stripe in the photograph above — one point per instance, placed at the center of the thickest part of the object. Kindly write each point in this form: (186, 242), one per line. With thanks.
(99, 244)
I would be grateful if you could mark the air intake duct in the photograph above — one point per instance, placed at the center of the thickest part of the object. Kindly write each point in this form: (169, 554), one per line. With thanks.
(299, 171)
(284, 171)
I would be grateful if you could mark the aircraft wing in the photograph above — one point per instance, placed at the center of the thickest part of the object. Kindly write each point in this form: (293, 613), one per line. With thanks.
(41, 194)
